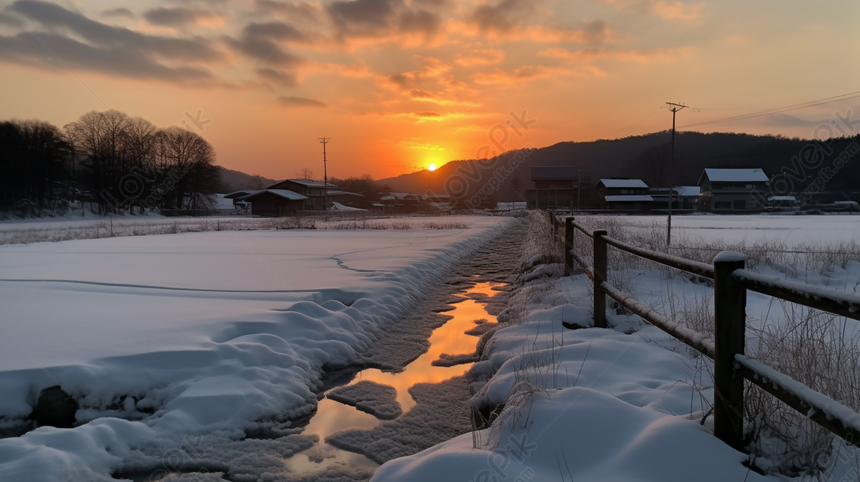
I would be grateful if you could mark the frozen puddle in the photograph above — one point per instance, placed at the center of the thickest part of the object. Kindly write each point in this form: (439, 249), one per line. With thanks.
(333, 417)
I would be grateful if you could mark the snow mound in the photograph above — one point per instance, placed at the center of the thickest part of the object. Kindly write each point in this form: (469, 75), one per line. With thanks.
(371, 397)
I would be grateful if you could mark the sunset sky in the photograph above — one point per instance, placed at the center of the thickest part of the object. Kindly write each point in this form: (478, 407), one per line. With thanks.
(401, 84)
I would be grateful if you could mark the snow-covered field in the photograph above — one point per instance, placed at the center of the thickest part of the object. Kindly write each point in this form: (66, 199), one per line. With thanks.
(791, 229)
(164, 337)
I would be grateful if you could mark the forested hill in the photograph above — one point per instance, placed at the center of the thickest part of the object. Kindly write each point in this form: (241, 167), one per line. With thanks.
(646, 157)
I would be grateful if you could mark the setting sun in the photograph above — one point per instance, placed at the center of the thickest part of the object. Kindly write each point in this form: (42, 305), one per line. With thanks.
(431, 167)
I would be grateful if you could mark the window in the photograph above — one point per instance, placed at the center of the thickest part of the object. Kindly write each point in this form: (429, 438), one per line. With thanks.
(740, 204)
(722, 205)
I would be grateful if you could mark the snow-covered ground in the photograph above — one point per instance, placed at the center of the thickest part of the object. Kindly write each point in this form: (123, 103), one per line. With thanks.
(627, 402)
(165, 337)
(791, 229)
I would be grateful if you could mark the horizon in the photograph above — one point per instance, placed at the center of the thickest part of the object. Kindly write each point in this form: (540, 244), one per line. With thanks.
(402, 85)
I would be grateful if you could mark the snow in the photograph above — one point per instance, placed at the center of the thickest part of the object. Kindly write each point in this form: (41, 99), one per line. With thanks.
(735, 175)
(586, 405)
(371, 397)
(851, 302)
(284, 193)
(816, 401)
(729, 257)
(628, 198)
(219, 333)
(336, 206)
(624, 183)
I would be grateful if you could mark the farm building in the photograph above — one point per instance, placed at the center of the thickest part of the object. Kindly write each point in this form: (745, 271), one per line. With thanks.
(627, 195)
(732, 190)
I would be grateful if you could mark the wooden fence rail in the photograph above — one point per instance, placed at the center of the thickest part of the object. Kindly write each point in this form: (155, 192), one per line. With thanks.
(731, 365)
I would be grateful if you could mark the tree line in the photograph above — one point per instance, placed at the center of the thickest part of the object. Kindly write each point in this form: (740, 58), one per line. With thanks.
(109, 160)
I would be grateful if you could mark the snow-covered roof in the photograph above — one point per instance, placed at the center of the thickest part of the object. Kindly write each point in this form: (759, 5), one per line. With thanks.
(241, 193)
(336, 206)
(624, 183)
(338, 192)
(734, 175)
(292, 196)
(628, 198)
(688, 190)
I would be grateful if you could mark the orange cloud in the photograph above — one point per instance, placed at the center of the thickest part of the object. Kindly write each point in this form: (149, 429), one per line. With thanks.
(480, 57)
(642, 56)
(522, 74)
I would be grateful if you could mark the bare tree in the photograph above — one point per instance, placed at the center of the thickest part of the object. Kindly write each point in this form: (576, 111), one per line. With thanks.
(305, 173)
(186, 163)
(652, 165)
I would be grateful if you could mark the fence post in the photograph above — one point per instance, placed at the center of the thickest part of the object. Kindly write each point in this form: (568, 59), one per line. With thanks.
(730, 319)
(568, 246)
(599, 277)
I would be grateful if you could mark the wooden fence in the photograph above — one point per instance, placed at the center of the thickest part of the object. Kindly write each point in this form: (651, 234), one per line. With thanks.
(731, 365)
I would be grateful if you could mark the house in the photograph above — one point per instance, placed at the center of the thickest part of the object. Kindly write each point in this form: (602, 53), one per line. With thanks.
(402, 202)
(732, 190)
(628, 195)
(316, 193)
(558, 187)
(684, 198)
(274, 202)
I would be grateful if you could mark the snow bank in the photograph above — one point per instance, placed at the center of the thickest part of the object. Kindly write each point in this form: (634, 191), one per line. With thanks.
(371, 397)
(218, 333)
(587, 405)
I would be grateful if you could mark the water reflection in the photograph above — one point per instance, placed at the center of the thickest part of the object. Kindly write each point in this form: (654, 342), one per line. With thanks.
(333, 417)
(448, 338)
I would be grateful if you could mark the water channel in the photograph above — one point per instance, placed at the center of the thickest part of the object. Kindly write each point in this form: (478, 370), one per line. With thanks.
(332, 417)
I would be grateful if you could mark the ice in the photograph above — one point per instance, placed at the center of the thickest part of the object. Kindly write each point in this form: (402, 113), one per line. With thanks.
(367, 396)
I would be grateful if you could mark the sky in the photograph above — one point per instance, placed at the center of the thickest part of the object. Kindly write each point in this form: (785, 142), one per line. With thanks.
(400, 84)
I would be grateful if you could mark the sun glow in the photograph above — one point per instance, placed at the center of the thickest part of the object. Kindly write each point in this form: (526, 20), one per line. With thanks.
(431, 167)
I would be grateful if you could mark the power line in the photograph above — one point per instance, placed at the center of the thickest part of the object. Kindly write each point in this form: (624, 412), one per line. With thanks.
(633, 124)
(803, 105)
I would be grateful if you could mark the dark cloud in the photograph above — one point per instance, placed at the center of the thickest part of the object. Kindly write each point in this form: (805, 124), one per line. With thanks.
(297, 10)
(26, 49)
(264, 41)
(103, 35)
(381, 17)
(419, 21)
(502, 17)
(299, 102)
(85, 44)
(6, 19)
(118, 12)
(284, 79)
(364, 13)
(176, 17)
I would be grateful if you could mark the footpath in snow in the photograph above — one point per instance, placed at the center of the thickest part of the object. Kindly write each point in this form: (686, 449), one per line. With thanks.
(180, 345)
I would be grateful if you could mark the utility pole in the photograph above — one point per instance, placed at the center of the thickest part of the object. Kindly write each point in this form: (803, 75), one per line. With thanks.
(674, 108)
(324, 141)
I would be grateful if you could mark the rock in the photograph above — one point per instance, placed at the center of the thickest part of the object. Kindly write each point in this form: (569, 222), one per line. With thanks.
(55, 408)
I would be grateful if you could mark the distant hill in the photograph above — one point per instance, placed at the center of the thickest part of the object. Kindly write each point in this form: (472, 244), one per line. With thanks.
(646, 157)
(235, 180)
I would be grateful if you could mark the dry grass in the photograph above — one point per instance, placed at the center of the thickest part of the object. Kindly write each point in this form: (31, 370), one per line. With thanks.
(123, 227)
(815, 348)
